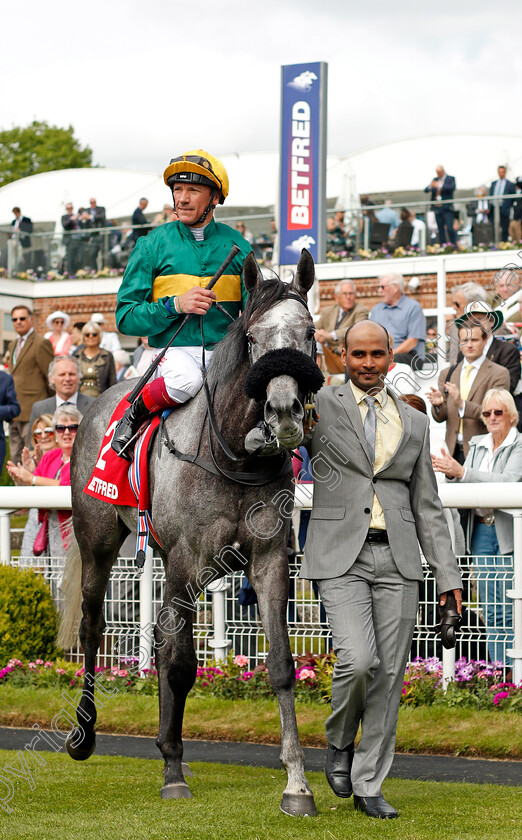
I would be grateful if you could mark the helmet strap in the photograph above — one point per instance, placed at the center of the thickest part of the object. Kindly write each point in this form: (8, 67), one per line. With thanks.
(210, 206)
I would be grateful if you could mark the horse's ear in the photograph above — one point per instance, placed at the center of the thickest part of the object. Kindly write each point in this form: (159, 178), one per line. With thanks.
(305, 274)
(251, 273)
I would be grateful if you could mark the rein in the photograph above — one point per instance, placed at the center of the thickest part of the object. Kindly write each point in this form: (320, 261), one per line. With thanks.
(250, 479)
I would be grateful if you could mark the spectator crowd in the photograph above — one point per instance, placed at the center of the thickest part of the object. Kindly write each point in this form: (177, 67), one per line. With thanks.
(494, 214)
(51, 380)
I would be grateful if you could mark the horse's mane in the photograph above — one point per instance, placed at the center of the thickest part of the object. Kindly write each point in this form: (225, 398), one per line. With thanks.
(232, 350)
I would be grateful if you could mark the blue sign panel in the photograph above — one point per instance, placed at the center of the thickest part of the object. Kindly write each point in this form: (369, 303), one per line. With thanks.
(302, 219)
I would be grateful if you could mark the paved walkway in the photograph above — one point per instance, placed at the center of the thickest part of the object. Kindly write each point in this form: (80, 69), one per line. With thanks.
(421, 767)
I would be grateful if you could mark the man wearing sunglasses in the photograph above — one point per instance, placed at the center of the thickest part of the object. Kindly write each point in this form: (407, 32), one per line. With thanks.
(165, 280)
(64, 378)
(29, 358)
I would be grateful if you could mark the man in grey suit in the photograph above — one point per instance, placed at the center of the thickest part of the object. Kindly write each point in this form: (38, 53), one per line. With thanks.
(64, 378)
(375, 500)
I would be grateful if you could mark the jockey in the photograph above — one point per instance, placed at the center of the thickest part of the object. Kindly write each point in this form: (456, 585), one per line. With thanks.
(165, 279)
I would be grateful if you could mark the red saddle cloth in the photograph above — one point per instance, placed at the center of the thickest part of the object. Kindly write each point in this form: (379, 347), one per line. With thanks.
(113, 479)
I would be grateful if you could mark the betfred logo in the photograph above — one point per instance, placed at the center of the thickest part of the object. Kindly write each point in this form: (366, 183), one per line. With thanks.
(300, 180)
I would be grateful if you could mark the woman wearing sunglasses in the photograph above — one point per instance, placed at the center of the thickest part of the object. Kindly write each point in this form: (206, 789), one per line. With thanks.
(57, 323)
(496, 456)
(42, 441)
(98, 371)
(45, 529)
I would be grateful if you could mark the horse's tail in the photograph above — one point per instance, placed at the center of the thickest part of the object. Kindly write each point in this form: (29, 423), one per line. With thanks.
(71, 589)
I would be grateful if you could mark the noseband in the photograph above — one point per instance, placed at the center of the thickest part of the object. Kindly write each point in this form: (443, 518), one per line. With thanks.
(287, 361)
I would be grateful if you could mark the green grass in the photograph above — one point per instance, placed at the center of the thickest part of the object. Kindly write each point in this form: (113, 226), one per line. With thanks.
(119, 798)
(424, 729)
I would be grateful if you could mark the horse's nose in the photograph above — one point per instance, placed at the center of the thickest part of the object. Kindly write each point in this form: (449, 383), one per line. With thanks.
(274, 409)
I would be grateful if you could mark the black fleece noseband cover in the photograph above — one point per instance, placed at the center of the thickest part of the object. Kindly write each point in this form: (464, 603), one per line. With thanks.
(283, 362)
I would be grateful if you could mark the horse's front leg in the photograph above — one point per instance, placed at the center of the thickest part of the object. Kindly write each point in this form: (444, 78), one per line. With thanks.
(177, 666)
(270, 580)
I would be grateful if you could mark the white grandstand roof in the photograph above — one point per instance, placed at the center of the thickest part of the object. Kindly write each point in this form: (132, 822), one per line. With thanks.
(398, 167)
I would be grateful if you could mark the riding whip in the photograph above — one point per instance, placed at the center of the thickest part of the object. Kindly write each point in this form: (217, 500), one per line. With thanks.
(152, 367)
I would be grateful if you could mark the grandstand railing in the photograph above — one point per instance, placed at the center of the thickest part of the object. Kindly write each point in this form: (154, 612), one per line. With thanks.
(221, 624)
(97, 248)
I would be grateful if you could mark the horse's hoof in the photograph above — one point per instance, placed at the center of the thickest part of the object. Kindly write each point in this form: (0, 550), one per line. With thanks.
(76, 748)
(298, 805)
(176, 790)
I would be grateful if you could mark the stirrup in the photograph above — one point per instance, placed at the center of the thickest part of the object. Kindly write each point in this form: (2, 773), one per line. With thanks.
(123, 453)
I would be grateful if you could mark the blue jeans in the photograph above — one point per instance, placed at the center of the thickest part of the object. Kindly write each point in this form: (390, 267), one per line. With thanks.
(494, 574)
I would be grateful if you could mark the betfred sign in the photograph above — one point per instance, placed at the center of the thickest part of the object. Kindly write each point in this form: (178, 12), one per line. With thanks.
(303, 162)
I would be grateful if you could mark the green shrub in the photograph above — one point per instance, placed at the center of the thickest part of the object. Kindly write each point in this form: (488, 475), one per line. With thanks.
(28, 617)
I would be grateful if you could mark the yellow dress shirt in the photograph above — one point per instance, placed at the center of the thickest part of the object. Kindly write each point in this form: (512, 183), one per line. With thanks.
(388, 433)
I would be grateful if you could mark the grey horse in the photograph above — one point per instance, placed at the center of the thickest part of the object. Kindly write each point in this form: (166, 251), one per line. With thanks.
(223, 513)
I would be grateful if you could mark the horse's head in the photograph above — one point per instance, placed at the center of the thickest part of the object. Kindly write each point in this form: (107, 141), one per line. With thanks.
(280, 333)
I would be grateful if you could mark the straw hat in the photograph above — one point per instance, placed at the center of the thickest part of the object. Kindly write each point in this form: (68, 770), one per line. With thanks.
(479, 313)
(55, 315)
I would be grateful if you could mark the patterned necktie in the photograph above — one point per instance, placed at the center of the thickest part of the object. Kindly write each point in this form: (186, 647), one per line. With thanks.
(17, 350)
(370, 426)
(465, 388)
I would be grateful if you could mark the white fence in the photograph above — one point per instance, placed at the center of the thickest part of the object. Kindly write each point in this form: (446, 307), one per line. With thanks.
(221, 623)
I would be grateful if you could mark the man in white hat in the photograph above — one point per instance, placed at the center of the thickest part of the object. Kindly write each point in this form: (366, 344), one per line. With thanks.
(461, 388)
(501, 352)
(109, 340)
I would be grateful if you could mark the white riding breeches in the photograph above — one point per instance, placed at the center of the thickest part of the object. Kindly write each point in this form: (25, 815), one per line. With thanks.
(181, 369)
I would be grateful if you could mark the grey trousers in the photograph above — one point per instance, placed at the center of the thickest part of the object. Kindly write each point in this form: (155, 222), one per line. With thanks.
(371, 610)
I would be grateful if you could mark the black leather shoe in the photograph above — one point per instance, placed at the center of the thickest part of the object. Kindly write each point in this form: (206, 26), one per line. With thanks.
(127, 428)
(375, 806)
(338, 769)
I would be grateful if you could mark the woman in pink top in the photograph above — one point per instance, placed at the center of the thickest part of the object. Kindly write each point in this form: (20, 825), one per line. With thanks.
(45, 534)
(57, 323)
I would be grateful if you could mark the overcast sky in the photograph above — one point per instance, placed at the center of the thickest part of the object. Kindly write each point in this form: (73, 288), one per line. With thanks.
(143, 81)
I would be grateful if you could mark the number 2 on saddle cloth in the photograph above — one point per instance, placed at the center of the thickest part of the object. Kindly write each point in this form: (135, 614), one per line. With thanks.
(116, 481)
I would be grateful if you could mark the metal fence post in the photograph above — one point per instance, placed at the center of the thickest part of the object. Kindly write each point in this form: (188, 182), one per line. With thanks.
(366, 233)
(5, 537)
(145, 642)
(448, 656)
(220, 644)
(441, 317)
(515, 653)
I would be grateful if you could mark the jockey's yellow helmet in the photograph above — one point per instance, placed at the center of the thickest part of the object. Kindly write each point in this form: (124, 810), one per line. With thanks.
(198, 167)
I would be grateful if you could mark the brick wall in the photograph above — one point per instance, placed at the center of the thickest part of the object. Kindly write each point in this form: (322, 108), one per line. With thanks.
(80, 308)
(368, 295)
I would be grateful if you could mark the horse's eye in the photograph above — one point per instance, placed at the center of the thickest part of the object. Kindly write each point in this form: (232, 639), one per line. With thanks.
(250, 337)
(310, 332)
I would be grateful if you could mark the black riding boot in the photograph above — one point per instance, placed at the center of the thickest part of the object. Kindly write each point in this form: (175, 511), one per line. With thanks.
(128, 426)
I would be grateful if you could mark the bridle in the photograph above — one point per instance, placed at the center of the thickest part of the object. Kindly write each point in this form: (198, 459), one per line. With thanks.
(281, 464)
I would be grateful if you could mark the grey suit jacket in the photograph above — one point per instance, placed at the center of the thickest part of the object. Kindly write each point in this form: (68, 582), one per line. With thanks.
(344, 485)
(83, 403)
(507, 466)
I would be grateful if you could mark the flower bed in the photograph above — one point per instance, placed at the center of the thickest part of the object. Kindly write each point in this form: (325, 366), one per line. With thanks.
(477, 685)
(431, 250)
(81, 274)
